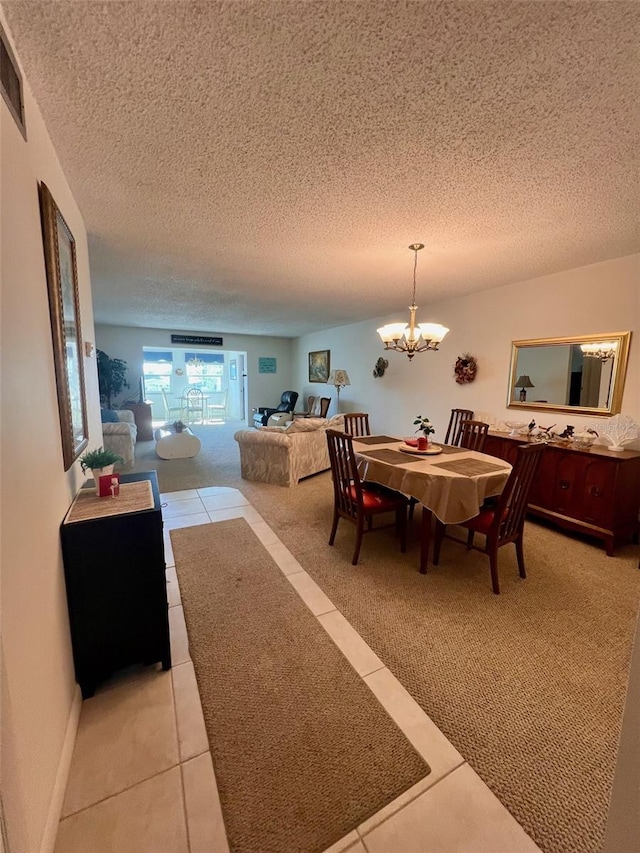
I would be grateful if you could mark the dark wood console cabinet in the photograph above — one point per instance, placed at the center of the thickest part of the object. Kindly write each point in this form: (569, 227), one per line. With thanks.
(116, 587)
(592, 491)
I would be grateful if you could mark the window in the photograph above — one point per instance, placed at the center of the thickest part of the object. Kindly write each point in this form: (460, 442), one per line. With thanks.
(205, 370)
(157, 369)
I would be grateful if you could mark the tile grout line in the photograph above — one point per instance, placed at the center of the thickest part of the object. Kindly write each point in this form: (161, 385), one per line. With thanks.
(180, 762)
(419, 794)
(123, 791)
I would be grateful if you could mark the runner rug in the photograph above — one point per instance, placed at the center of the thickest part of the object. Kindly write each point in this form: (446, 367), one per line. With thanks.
(302, 750)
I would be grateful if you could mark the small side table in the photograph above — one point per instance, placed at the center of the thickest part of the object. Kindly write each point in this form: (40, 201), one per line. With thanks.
(176, 445)
(115, 580)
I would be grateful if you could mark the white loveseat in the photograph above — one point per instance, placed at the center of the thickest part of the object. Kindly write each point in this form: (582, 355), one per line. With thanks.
(284, 455)
(121, 437)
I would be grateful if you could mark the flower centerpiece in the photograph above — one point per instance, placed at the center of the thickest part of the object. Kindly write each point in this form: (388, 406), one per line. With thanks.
(424, 426)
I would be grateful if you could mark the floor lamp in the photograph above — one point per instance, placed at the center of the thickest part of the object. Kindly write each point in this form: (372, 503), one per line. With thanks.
(339, 378)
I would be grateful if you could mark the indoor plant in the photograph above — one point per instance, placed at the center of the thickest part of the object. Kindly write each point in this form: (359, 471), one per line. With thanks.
(424, 426)
(111, 377)
(100, 462)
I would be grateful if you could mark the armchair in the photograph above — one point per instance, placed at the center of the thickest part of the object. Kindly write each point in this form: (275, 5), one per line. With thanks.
(287, 403)
(119, 434)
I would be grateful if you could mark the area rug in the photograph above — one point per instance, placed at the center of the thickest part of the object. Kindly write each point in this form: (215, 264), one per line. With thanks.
(302, 750)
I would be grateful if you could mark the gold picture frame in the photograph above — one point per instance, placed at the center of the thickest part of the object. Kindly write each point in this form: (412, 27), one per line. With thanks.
(64, 309)
(319, 363)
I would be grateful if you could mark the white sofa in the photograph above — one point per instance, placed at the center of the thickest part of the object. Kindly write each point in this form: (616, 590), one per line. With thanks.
(284, 455)
(121, 437)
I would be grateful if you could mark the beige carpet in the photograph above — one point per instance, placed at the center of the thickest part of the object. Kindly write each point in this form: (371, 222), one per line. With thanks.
(302, 750)
(528, 685)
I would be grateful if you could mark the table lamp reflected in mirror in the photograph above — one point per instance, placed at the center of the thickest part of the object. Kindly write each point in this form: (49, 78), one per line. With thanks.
(523, 383)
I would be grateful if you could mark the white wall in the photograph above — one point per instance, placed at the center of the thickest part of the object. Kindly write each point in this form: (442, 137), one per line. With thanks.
(598, 298)
(38, 685)
(127, 342)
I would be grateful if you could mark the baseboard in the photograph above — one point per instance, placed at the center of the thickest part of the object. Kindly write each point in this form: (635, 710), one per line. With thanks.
(62, 775)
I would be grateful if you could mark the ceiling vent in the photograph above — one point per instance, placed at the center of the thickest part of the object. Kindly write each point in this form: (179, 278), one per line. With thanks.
(11, 83)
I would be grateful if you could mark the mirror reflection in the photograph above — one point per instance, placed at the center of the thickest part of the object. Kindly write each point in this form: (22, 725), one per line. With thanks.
(583, 374)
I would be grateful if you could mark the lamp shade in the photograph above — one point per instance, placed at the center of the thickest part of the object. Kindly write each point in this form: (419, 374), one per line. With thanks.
(339, 378)
(524, 382)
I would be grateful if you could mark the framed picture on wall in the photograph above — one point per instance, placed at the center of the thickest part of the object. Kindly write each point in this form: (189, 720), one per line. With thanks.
(233, 369)
(319, 365)
(64, 310)
(267, 365)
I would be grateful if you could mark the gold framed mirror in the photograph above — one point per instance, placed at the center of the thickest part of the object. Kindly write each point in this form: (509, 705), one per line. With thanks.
(583, 374)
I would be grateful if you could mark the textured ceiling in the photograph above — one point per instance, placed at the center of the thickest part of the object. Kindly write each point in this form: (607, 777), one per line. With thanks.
(262, 167)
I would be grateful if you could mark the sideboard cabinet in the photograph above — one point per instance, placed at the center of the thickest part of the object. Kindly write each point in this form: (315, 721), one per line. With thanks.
(114, 567)
(591, 491)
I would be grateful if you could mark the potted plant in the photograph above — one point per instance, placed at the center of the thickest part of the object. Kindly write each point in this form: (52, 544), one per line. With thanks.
(100, 462)
(111, 377)
(424, 426)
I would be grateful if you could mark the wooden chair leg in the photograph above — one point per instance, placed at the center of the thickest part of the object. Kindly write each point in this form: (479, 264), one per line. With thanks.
(520, 555)
(359, 533)
(412, 506)
(469, 539)
(334, 528)
(493, 560)
(437, 542)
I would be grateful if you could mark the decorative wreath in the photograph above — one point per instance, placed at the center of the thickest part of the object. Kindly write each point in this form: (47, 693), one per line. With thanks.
(465, 369)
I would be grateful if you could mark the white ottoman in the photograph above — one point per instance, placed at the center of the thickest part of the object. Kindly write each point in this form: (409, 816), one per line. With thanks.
(176, 445)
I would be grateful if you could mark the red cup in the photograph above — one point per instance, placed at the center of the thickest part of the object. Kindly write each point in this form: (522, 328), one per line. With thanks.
(422, 443)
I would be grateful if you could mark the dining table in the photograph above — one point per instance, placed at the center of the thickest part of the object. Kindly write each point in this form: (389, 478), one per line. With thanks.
(191, 405)
(450, 482)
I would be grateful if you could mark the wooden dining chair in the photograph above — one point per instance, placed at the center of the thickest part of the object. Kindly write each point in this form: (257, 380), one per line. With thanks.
(357, 423)
(502, 522)
(453, 429)
(360, 500)
(472, 435)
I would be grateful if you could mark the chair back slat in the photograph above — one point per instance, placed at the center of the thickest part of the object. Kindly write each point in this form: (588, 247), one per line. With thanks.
(453, 429)
(512, 504)
(347, 485)
(472, 435)
(357, 423)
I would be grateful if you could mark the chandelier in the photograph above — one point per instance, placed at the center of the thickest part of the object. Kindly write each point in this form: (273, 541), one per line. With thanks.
(195, 362)
(604, 350)
(416, 337)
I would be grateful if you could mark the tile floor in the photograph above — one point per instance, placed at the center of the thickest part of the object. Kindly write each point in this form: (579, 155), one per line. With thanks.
(142, 780)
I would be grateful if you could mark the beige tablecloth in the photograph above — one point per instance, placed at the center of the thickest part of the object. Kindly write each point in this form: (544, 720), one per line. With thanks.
(453, 490)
